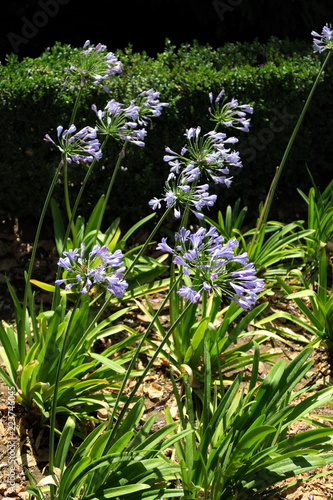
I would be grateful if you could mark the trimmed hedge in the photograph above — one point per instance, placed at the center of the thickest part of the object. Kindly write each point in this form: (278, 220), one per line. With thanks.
(276, 77)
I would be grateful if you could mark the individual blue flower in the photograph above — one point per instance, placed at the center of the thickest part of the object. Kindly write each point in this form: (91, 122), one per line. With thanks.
(324, 40)
(214, 267)
(100, 268)
(77, 146)
(189, 294)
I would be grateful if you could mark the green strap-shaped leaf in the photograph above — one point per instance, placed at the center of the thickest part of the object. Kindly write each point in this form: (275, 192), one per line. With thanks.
(196, 339)
(108, 362)
(118, 491)
(290, 467)
(247, 445)
(64, 443)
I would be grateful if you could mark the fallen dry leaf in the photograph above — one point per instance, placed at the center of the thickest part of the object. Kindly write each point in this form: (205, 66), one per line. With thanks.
(154, 391)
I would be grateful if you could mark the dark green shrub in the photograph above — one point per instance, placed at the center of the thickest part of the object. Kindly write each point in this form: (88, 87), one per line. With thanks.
(35, 98)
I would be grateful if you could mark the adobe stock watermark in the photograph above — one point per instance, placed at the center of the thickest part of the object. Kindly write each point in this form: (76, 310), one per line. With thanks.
(30, 27)
(277, 124)
(222, 7)
(12, 443)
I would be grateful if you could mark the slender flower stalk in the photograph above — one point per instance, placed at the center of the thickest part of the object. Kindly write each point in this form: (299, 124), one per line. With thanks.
(75, 146)
(270, 195)
(73, 213)
(114, 422)
(22, 325)
(62, 166)
(109, 190)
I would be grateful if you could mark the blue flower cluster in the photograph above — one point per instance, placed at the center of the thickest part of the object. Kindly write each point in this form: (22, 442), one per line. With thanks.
(121, 122)
(99, 268)
(213, 267)
(230, 114)
(125, 124)
(324, 40)
(207, 156)
(96, 64)
(82, 146)
(208, 264)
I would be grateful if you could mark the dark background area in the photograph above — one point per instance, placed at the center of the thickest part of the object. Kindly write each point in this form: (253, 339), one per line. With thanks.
(28, 27)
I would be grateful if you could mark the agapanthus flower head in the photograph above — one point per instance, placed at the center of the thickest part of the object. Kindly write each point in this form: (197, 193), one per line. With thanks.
(95, 64)
(125, 123)
(230, 114)
(323, 41)
(204, 158)
(77, 146)
(100, 268)
(179, 196)
(149, 106)
(213, 266)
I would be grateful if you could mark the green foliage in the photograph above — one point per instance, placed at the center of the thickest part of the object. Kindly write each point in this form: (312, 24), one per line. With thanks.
(240, 447)
(309, 286)
(83, 374)
(131, 465)
(274, 248)
(231, 439)
(218, 328)
(320, 220)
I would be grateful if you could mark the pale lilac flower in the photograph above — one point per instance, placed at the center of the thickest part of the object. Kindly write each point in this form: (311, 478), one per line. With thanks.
(100, 268)
(189, 294)
(213, 267)
(77, 146)
(155, 203)
(324, 40)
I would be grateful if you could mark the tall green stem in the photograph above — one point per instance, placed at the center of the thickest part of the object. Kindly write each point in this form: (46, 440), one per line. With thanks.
(55, 392)
(65, 171)
(150, 237)
(149, 364)
(110, 186)
(73, 213)
(22, 325)
(67, 203)
(101, 311)
(269, 198)
(76, 106)
(177, 302)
